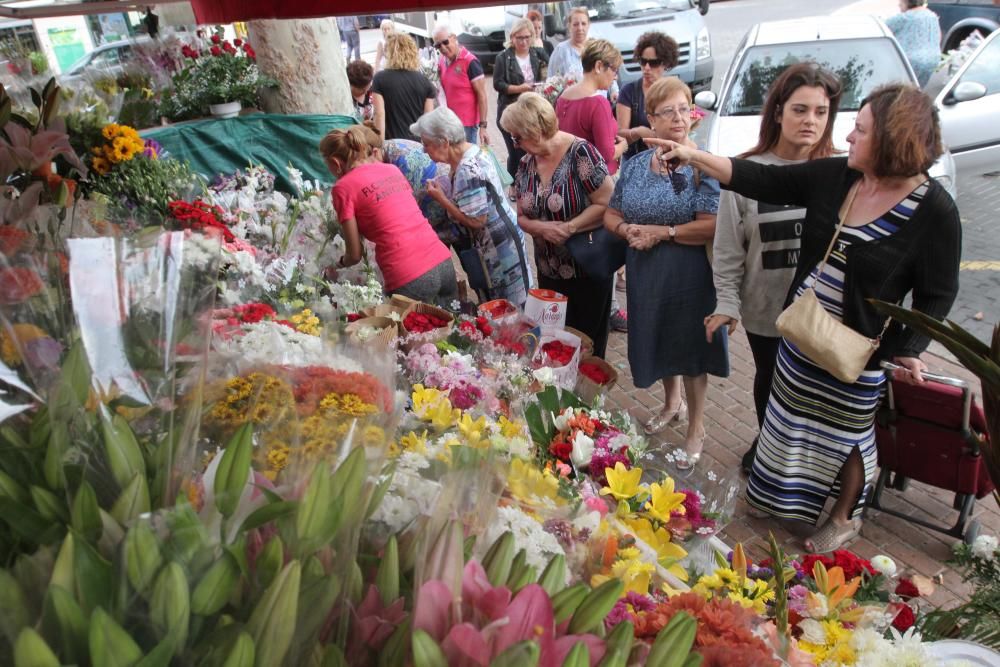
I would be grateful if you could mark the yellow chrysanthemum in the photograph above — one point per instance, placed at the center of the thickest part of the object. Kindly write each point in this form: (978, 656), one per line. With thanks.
(305, 322)
(628, 553)
(411, 442)
(13, 340)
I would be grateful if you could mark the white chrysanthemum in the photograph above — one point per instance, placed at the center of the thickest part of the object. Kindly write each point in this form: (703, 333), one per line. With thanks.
(884, 565)
(985, 546)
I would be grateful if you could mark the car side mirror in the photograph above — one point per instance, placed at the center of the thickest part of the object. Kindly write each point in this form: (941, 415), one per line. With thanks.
(552, 27)
(706, 99)
(966, 92)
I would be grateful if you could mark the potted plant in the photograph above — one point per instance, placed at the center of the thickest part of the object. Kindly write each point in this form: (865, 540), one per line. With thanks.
(221, 79)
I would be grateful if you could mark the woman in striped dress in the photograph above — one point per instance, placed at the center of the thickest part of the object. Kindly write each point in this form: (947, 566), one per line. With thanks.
(901, 235)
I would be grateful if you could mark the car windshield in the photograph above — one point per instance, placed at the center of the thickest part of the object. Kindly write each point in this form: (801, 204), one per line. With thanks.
(861, 64)
(602, 10)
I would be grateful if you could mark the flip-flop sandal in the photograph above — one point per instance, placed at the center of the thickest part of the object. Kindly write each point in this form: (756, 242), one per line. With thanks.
(831, 537)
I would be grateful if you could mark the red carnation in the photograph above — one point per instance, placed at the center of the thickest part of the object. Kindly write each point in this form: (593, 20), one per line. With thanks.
(215, 51)
(18, 284)
(216, 39)
(354, 317)
(907, 589)
(904, 616)
(561, 450)
(237, 42)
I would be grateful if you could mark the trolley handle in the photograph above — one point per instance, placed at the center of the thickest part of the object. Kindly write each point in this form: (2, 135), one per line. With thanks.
(933, 377)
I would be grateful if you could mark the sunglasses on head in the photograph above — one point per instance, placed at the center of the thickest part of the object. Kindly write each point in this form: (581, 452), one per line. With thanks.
(443, 42)
(652, 62)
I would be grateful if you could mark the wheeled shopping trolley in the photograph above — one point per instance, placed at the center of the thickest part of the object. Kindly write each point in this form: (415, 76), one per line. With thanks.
(932, 433)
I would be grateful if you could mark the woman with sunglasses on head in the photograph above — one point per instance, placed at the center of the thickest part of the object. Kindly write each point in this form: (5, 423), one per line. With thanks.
(657, 54)
(562, 189)
(756, 245)
(877, 226)
(516, 71)
(583, 108)
(667, 215)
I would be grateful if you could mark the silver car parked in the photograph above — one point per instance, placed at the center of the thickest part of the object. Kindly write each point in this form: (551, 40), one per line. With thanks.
(859, 49)
(969, 106)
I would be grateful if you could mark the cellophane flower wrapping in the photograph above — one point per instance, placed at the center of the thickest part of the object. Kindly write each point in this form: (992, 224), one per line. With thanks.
(140, 304)
(322, 414)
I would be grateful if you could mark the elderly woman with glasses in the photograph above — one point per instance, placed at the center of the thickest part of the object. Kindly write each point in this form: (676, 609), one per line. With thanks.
(667, 215)
(562, 189)
(493, 254)
(516, 71)
(656, 54)
(583, 110)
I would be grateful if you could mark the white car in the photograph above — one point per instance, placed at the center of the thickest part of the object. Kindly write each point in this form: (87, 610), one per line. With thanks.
(859, 49)
(969, 107)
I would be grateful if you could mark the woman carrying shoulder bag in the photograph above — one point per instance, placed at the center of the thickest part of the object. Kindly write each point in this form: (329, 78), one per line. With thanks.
(876, 227)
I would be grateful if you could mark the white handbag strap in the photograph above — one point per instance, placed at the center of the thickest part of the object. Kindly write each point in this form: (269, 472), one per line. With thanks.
(845, 210)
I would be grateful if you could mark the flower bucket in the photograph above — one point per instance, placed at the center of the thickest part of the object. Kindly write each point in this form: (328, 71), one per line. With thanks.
(411, 340)
(225, 110)
(587, 387)
(501, 311)
(386, 331)
(546, 308)
(586, 342)
(387, 310)
(565, 375)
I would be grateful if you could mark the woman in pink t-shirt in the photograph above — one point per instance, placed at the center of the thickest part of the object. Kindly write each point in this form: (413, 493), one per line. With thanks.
(374, 200)
(583, 109)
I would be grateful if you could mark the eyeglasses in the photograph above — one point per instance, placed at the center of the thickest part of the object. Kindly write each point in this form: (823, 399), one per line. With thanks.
(522, 38)
(668, 169)
(667, 112)
(443, 42)
(652, 62)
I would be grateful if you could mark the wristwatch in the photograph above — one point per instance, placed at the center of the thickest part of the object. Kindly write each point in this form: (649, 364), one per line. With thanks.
(482, 124)
(671, 232)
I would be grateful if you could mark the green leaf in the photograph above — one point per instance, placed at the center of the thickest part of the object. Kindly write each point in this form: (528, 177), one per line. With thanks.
(14, 612)
(29, 524)
(234, 470)
(86, 514)
(58, 445)
(381, 488)
(91, 576)
(133, 501)
(272, 622)
(110, 645)
(121, 449)
(63, 623)
(426, 652)
(10, 489)
(48, 505)
(387, 577)
(30, 650)
(268, 513)
(521, 654)
(76, 372)
(160, 656)
(242, 653)
(216, 586)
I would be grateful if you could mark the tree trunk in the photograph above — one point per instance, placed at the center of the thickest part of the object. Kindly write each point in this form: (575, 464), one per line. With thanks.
(305, 57)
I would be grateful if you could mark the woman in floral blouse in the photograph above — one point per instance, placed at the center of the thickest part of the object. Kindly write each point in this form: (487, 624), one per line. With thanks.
(562, 189)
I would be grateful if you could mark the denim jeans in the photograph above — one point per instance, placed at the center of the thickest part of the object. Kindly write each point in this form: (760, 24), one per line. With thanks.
(352, 40)
(472, 134)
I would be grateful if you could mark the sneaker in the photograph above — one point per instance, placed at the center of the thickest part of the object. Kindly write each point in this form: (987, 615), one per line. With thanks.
(619, 320)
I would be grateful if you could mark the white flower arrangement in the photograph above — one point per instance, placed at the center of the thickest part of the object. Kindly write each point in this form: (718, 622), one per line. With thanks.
(539, 546)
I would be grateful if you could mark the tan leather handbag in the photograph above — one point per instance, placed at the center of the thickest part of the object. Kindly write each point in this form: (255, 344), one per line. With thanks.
(829, 343)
